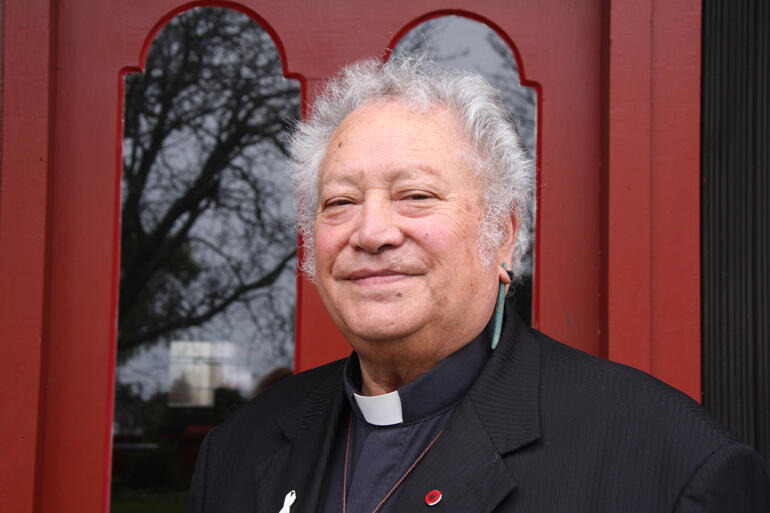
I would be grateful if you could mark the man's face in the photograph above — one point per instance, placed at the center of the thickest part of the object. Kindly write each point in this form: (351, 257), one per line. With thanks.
(396, 231)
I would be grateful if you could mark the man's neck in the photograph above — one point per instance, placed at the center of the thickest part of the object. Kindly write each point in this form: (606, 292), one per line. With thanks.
(378, 379)
(387, 365)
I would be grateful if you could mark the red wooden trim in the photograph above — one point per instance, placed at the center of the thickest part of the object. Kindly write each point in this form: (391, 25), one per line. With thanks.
(676, 295)
(2, 41)
(322, 341)
(652, 214)
(23, 246)
(604, 130)
(629, 202)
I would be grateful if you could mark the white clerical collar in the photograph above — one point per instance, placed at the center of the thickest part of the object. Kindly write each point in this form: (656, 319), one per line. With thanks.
(435, 391)
(380, 410)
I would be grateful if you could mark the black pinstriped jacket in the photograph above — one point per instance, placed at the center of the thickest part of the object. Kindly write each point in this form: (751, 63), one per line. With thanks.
(545, 428)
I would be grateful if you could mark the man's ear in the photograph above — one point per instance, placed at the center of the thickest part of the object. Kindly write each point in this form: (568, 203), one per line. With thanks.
(505, 251)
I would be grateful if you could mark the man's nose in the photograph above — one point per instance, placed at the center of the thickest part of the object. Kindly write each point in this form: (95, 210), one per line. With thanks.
(375, 227)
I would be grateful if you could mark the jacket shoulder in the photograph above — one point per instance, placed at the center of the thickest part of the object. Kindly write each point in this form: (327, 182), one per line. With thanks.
(225, 468)
(649, 444)
(607, 401)
(254, 429)
(611, 394)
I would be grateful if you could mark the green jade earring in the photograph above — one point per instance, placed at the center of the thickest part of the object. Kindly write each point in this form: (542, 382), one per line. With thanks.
(499, 311)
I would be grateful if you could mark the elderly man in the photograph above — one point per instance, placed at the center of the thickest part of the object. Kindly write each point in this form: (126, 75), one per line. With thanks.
(411, 189)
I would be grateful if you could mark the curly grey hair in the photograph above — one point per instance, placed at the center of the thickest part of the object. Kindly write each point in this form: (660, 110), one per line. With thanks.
(499, 160)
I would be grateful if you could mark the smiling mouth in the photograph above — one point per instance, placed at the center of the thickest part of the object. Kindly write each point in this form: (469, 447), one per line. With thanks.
(374, 277)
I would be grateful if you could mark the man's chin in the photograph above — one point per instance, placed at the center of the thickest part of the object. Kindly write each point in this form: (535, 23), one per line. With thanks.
(381, 329)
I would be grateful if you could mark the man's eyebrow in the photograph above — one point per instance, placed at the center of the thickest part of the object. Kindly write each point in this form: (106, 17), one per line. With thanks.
(342, 178)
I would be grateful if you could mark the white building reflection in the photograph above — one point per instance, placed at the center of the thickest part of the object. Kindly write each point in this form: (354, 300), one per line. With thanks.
(198, 368)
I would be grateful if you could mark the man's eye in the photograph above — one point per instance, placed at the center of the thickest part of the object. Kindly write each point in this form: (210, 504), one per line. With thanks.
(338, 202)
(417, 196)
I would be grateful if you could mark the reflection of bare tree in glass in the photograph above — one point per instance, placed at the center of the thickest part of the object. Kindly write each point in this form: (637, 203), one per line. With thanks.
(519, 100)
(427, 38)
(521, 103)
(205, 203)
(458, 41)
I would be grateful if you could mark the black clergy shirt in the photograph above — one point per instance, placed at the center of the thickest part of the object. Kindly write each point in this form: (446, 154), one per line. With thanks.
(389, 432)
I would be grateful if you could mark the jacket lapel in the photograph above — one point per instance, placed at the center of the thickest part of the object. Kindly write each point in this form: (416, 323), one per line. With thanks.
(300, 465)
(499, 416)
(507, 393)
(464, 466)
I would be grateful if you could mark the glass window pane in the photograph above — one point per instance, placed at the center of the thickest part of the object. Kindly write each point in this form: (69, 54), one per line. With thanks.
(208, 246)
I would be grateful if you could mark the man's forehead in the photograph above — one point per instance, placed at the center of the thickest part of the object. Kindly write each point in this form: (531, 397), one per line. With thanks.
(383, 124)
(340, 175)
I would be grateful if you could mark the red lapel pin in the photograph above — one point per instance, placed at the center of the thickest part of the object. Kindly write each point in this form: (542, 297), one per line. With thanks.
(433, 497)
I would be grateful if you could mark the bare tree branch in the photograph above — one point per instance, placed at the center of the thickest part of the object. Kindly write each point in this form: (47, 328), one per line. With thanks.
(213, 309)
(203, 215)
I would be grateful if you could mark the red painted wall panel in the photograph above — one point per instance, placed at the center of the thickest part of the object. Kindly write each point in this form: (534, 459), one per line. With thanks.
(23, 246)
(628, 188)
(653, 225)
(59, 202)
(675, 255)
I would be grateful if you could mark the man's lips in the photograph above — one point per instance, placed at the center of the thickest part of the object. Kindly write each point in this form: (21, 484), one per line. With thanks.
(377, 275)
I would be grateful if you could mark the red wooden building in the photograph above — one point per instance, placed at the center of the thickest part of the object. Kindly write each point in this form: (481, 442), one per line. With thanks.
(618, 229)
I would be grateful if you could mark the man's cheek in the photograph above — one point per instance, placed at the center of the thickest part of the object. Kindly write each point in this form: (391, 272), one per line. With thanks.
(440, 240)
(327, 246)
